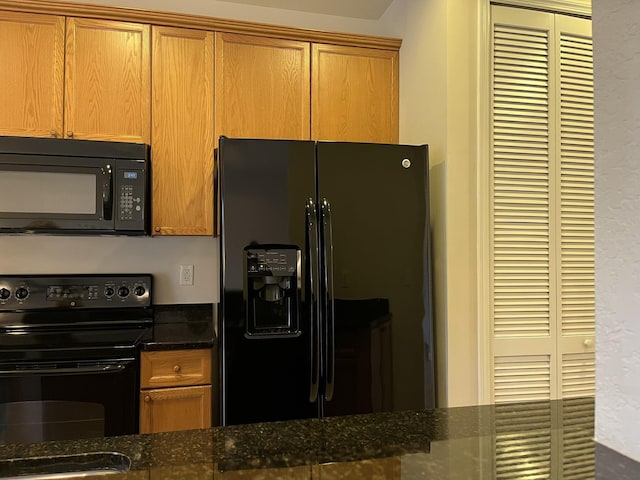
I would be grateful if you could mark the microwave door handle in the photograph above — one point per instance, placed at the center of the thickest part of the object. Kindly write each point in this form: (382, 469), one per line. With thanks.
(107, 193)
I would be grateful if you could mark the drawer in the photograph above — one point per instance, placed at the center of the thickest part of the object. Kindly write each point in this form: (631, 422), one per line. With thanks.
(174, 368)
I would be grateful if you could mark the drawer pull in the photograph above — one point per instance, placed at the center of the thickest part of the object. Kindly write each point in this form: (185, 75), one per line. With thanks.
(177, 368)
(147, 398)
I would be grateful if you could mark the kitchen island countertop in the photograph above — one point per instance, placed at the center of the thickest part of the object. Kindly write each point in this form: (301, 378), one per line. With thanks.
(548, 439)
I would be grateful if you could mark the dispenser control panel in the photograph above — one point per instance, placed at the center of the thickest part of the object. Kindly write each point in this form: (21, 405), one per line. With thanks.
(281, 262)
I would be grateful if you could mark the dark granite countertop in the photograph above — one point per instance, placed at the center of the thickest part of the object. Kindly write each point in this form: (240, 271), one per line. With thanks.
(183, 326)
(528, 440)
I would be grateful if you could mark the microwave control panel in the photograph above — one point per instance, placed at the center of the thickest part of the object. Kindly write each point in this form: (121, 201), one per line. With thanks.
(131, 195)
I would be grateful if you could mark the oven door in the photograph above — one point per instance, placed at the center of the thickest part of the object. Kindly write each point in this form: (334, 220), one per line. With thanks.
(62, 400)
(54, 196)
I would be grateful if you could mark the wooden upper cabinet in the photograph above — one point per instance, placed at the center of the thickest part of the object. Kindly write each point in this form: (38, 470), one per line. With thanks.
(182, 141)
(262, 87)
(107, 80)
(31, 74)
(354, 94)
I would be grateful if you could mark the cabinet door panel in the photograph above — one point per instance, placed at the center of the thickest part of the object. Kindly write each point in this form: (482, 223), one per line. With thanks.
(354, 94)
(171, 409)
(374, 469)
(172, 368)
(262, 87)
(182, 134)
(107, 80)
(31, 74)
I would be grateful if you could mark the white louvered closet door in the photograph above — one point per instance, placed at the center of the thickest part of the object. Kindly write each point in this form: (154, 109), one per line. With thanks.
(541, 215)
(575, 182)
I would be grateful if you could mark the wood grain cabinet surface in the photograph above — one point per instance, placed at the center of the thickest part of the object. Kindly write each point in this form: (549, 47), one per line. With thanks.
(175, 390)
(262, 87)
(354, 94)
(107, 80)
(31, 74)
(182, 142)
(101, 69)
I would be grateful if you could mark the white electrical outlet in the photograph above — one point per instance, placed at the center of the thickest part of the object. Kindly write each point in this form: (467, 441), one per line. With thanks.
(186, 274)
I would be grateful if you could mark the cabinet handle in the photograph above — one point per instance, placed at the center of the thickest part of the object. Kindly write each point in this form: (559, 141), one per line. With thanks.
(588, 343)
(70, 134)
(177, 368)
(157, 229)
(147, 398)
(54, 133)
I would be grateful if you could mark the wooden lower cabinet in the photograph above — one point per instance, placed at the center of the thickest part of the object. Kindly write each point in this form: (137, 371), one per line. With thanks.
(374, 469)
(302, 472)
(175, 390)
(171, 409)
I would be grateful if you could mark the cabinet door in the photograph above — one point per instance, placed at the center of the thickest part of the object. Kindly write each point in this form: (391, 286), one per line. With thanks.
(182, 133)
(262, 87)
(31, 74)
(374, 469)
(107, 89)
(354, 94)
(174, 368)
(171, 409)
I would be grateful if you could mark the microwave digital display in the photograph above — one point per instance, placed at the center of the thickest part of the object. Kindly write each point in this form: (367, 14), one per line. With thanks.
(131, 175)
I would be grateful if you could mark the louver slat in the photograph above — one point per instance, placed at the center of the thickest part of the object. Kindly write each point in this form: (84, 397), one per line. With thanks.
(523, 443)
(578, 459)
(578, 375)
(522, 378)
(520, 207)
(577, 295)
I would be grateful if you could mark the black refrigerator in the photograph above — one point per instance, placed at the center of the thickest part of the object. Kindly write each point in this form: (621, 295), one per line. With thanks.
(325, 287)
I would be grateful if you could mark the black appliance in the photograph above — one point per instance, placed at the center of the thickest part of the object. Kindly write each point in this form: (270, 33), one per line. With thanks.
(325, 304)
(50, 185)
(69, 355)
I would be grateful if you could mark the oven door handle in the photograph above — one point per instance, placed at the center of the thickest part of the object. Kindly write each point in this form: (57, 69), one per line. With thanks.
(110, 368)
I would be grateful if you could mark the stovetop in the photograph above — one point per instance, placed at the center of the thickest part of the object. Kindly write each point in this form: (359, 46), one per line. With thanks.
(73, 316)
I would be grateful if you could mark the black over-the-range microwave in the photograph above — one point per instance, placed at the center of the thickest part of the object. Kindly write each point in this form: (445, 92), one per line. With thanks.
(64, 186)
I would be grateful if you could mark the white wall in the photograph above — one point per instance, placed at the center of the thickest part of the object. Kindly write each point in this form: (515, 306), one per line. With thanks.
(438, 106)
(617, 171)
(251, 13)
(162, 257)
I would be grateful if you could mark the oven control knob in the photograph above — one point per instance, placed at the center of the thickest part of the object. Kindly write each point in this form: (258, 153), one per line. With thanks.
(139, 291)
(22, 293)
(4, 293)
(109, 291)
(123, 292)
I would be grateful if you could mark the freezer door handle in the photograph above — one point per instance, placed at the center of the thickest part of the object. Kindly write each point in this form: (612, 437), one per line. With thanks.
(312, 299)
(327, 251)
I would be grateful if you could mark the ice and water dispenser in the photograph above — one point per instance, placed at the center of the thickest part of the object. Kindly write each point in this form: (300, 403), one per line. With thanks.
(272, 290)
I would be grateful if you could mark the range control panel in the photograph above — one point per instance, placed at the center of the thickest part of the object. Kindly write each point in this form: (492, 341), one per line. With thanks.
(45, 292)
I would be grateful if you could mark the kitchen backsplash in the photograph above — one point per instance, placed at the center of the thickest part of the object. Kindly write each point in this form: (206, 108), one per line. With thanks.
(160, 256)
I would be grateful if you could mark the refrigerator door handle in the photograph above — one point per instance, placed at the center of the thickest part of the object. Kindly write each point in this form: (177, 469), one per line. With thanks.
(312, 300)
(327, 242)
